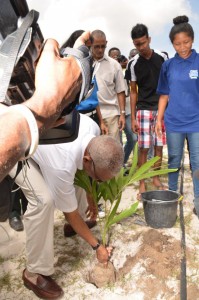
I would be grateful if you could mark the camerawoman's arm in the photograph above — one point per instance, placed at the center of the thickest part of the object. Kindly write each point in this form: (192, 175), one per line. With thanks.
(57, 81)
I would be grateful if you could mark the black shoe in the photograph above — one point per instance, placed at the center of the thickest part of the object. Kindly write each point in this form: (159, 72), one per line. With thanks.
(69, 231)
(16, 222)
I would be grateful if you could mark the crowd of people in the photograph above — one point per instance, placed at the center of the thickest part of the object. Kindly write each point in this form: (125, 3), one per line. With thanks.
(151, 98)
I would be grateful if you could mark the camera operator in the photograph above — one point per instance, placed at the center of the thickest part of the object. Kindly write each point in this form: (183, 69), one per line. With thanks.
(58, 81)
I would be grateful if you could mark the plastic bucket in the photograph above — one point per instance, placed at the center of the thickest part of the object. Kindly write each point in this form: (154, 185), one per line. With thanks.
(160, 208)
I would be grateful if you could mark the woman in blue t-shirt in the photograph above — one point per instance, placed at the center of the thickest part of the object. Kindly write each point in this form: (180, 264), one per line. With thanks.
(179, 102)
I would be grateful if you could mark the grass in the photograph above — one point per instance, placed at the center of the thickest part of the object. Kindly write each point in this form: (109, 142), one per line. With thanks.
(2, 259)
(5, 281)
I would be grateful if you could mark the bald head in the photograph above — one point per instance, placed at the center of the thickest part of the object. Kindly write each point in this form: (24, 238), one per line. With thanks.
(107, 154)
(98, 44)
(97, 34)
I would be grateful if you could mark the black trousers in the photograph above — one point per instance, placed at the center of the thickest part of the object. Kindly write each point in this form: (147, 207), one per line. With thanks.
(17, 205)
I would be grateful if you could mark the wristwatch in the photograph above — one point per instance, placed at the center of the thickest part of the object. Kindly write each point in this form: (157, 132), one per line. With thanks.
(96, 247)
(123, 112)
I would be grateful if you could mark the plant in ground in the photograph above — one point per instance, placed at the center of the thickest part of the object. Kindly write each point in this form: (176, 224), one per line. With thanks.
(111, 191)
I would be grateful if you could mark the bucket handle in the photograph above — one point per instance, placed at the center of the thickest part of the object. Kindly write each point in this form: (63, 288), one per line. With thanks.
(180, 198)
(161, 201)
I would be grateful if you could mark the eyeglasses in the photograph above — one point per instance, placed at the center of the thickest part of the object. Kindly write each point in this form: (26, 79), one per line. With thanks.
(94, 170)
(97, 47)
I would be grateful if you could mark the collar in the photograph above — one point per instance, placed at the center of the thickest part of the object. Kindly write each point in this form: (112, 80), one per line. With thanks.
(144, 58)
(105, 57)
(191, 58)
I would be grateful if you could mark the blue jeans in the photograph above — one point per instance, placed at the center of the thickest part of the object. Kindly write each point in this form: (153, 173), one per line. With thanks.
(175, 143)
(131, 139)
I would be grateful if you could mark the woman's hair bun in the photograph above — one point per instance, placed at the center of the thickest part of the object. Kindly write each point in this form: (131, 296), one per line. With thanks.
(180, 19)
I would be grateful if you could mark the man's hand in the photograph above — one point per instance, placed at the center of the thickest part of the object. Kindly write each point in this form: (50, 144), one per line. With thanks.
(121, 122)
(57, 81)
(103, 254)
(84, 39)
(135, 127)
(104, 128)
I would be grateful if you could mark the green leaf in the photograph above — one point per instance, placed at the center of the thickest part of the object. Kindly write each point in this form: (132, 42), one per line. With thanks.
(145, 167)
(124, 214)
(120, 179)
(107, 193)
(134, 161)
(113, 187)
(150, 174)
(82, 180)
(114, 210)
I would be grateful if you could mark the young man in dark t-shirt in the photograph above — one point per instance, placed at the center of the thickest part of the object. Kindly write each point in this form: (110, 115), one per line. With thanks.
(143, 73)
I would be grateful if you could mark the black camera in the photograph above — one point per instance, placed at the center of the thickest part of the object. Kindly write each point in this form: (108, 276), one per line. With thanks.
(14, 15)
(21, 86)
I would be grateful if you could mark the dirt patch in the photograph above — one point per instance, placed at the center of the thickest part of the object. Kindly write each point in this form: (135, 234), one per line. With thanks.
(159, 254)
(102, 275)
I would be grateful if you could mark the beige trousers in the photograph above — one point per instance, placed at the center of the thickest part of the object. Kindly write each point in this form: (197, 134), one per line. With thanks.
(39, 218)
(112, 124)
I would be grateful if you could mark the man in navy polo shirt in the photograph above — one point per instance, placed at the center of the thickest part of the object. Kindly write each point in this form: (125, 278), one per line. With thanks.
(143, 72)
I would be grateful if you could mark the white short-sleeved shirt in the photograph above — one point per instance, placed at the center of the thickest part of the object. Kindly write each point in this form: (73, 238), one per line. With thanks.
(59, 163)
(110, 80)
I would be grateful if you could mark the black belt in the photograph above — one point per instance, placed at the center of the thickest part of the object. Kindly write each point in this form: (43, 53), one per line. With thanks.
(93, 111)
(88, 112)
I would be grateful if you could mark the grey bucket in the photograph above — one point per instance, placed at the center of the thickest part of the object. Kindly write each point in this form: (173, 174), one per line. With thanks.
(160, 208)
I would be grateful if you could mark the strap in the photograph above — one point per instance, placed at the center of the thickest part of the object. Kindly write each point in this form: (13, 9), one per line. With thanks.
(19, 168)
(7, 66)
(84, 60)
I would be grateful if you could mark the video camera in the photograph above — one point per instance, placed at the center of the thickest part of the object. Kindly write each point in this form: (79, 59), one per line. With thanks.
(21, 86)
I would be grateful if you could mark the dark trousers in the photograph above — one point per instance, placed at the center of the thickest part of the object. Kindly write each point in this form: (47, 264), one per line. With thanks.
(17, 205)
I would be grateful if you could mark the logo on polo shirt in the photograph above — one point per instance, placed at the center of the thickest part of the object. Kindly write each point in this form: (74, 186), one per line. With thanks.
(193, 74)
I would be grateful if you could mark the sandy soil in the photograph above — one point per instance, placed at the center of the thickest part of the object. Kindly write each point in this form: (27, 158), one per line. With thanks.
(147, 260)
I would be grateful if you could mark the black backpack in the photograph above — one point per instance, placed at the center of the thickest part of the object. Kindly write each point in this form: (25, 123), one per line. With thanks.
(6, 199)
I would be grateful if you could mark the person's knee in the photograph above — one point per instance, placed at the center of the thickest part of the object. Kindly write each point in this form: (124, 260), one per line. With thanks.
(174, 160)
(48, 202)
(44, 203)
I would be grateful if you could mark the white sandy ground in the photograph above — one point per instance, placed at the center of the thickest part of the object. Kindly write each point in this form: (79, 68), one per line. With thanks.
(144, 273)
